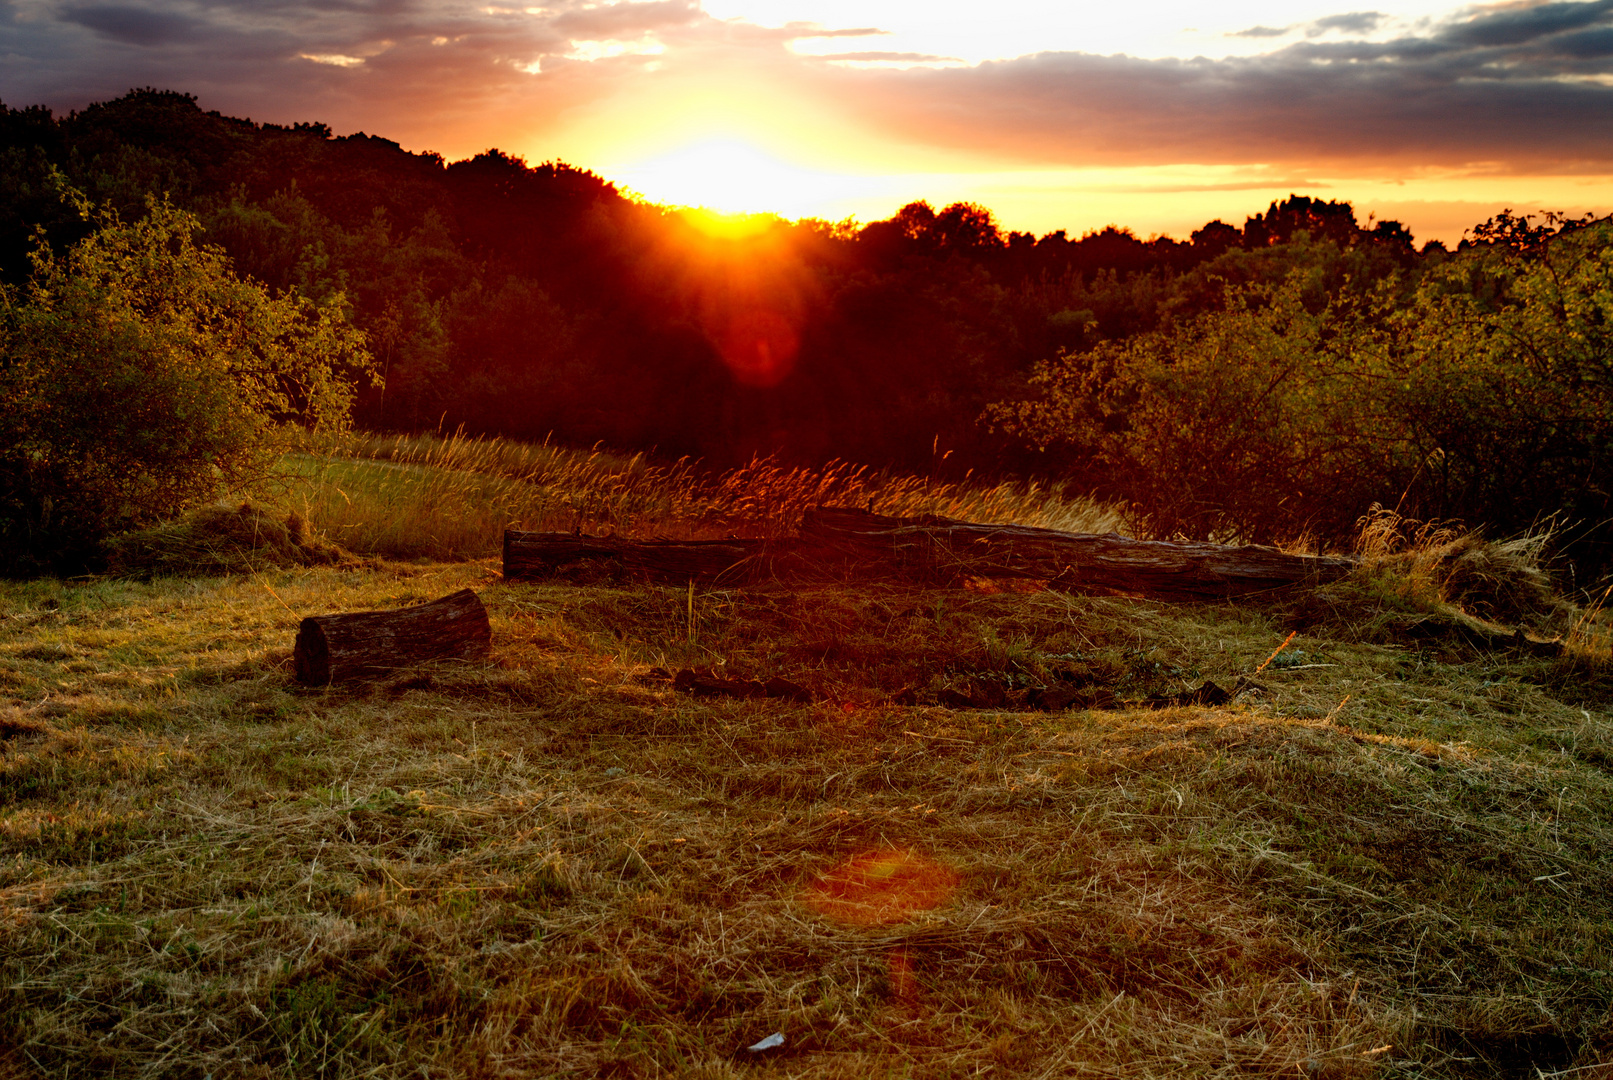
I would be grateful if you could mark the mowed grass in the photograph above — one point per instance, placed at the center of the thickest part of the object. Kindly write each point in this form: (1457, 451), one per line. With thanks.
(1388, 856)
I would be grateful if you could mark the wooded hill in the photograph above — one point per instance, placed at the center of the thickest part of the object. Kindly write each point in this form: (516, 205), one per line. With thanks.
(538, 301)
(535, 299)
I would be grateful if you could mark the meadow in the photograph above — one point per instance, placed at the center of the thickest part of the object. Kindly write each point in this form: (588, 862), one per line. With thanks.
(1387, 856)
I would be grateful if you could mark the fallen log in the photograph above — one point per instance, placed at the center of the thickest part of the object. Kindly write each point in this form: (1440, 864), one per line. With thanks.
(533, 555)
(941, 548)
(337, 648)
(837, 542)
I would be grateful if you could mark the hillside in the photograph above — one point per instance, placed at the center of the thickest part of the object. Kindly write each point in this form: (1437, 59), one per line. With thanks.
(1387, 855)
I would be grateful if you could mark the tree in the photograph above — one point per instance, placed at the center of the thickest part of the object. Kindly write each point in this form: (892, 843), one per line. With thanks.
(139, 376)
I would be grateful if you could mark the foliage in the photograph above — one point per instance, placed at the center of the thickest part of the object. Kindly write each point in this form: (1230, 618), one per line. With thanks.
(1276, 417)
(530, 300)
(139, 376)
(536, 301)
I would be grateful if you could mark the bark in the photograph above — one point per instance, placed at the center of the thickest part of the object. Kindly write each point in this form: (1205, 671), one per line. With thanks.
(338, 648)
(839, 542)
(533, 555)
(938, 547)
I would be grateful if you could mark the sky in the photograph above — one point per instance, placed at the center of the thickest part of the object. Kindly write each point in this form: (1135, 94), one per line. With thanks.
(1150, 114)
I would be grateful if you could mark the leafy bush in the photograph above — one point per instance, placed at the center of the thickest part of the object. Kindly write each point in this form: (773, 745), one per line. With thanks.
(139, 376)
(1484, 394)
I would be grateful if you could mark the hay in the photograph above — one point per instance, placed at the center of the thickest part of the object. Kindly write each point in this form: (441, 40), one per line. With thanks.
(218, 540)
(1370, 864)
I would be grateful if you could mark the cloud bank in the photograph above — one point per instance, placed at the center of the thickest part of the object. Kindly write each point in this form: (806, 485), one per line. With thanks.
(1514, 88)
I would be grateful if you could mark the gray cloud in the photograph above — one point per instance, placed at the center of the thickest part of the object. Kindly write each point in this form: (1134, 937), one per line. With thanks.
(1587, 44)
(133, 25)
(1261, 32)
(1356, 22)
(1520, 87)
(1516, 25)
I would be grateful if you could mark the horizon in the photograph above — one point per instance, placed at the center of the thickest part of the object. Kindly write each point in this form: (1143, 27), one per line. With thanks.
(1158, 118)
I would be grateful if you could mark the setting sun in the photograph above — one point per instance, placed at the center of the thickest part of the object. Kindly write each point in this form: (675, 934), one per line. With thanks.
(731, 176)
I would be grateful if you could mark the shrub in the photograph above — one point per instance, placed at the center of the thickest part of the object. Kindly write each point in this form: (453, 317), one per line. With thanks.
(1484, 395)
(1249, 423)
(139, 376)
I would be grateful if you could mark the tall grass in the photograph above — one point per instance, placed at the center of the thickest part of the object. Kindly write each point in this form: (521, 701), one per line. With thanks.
(451, 497)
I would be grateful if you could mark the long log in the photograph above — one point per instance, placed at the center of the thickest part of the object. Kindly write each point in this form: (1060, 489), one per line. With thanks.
(937, 547)
(534, 555)
(337, 648)
(838, 542)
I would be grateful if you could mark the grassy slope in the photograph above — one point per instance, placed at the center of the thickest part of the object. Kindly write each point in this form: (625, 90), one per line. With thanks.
(553, 864)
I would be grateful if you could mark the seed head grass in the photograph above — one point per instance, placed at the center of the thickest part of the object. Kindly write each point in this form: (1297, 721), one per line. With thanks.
(407, 497)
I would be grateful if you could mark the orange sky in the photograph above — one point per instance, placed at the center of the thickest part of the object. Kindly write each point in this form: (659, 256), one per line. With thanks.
(1158, 116)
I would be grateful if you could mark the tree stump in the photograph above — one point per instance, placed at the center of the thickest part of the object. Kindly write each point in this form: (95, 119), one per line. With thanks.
(337, 648)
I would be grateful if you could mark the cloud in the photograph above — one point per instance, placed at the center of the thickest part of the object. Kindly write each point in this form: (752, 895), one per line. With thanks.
(1356, 22)
(1518, 24)
(802, 31)
(133, 25)
(1515, 87)
(626, 20)
(1520, 88)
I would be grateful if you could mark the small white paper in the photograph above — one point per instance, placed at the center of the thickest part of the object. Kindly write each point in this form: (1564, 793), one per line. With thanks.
(775, 1039)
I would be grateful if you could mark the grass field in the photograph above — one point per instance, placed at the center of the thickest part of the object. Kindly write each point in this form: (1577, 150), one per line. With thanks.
(1388, 856)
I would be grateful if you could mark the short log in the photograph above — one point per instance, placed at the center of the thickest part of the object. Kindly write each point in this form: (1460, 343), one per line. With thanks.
(338, 648)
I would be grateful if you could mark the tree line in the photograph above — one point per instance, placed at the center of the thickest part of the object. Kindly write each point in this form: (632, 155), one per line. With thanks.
(540, 301)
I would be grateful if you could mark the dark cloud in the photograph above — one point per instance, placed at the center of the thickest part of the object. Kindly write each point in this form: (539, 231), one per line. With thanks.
(1519, 87)
(1516, 25)
(133, 25)
(1587, 44)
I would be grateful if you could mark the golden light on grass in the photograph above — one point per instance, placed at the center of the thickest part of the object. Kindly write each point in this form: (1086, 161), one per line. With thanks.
(555, 864)
(878, 888)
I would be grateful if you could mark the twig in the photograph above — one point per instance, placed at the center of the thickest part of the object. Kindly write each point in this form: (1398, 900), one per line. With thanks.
(1280, 648)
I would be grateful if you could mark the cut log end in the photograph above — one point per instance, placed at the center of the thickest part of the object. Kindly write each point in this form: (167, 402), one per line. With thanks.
(337, 648)
(312, 654)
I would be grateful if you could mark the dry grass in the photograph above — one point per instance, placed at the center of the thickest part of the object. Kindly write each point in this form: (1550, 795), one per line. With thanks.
(1379, 861)
(1429, 567)
(451, 498)
(221, 539)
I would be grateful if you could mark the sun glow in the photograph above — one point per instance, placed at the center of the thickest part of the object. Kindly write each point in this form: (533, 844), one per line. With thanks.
(730, 176)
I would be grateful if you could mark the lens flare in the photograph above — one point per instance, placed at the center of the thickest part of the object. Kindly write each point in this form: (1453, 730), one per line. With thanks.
(878, 888)
(759, 347)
